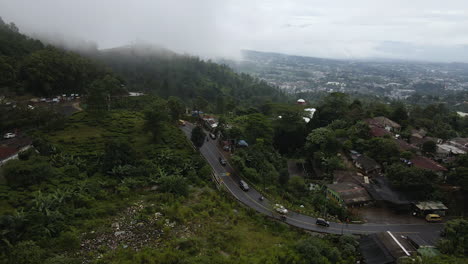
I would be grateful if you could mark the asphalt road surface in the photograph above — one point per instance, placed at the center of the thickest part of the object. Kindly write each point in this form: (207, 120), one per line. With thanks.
(430, 232)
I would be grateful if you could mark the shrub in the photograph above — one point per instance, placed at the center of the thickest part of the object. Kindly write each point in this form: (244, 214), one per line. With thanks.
(175, 184)
(68, 241)
(25, 173)
(26, 252)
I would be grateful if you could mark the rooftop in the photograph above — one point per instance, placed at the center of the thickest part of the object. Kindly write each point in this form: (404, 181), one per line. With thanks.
(446, 148)
(403, 145)
(430, 205)
(382, 121)
(367, 163)
(426, 163)
(6, 152)
(350, 193)
(376, 131)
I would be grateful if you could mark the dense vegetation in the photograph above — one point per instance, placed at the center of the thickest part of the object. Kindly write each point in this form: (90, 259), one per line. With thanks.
(162, 72)
(29, 67)
(119, 182)
(277, 133)
(105, 189)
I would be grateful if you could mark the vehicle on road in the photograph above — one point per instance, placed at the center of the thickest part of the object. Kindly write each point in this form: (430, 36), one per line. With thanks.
(222, 161)
(226, 148)
(244, 186)
(322, 222)
(9, 135)
(181, 122)
(433, 218)
(212, 136)
(280, 209)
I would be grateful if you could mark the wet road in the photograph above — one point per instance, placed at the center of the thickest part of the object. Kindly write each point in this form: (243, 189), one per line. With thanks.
(430, 232)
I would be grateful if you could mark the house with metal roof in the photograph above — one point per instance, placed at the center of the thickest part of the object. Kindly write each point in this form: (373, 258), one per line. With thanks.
(367, 165)
(348, 193)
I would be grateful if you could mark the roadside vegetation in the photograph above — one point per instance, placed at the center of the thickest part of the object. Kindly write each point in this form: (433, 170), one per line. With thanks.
(105, 189)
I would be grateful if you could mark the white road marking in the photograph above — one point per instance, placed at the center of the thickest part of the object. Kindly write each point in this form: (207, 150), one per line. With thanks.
(398, 242)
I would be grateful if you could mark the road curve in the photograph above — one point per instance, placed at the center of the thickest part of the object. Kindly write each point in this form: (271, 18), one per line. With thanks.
(430, 232)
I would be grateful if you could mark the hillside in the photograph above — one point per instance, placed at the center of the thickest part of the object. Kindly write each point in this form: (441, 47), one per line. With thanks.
(27, 66)
(165, 73)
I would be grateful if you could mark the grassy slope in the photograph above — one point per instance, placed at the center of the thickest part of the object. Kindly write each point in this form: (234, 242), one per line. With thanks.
(214, 225)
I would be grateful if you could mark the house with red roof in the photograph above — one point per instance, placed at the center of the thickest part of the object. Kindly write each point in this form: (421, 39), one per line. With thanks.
(11, 148)
(428, 164)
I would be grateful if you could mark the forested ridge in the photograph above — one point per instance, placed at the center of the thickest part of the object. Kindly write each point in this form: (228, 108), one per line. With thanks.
(165, 73)
(27, 66)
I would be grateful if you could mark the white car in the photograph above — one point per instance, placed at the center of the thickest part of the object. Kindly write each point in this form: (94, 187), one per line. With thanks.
(280, 209)
(9, 135)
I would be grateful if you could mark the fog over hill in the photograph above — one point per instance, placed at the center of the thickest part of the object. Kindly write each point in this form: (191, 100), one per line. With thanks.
(414, 30)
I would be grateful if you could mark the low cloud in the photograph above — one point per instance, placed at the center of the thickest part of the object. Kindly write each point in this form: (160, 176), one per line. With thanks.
(332, 28)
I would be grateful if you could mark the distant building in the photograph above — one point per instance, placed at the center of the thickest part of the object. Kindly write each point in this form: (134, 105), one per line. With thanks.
(132, 94)
(385, 123)
(367, 165)
(348, 193)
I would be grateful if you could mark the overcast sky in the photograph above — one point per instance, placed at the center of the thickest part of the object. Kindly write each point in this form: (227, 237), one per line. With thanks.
(434, 30)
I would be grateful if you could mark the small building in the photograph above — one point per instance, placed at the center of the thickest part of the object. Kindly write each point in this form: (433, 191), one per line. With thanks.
(430, 207)
(385, 248)
(376, 131)
(404, 146)
(348, 193)
(242, 143)
(367, 165)
(447, 150)
(354, 154)
(385, 123)
(132, 94)
(301, 101)
(428, 164)
(340, 176)
(7, 153)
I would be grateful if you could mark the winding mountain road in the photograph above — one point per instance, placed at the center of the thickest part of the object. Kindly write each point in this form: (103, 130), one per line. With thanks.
(430, 232)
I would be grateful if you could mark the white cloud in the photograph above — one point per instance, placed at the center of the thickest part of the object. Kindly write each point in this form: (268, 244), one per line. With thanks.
(331, 28)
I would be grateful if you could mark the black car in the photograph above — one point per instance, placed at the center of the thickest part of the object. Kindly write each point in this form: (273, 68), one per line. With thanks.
(322, 222)
(244, 186)
(222, 161)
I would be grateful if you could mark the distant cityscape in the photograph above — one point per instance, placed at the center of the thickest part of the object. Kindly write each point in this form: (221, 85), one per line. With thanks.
(392, 79)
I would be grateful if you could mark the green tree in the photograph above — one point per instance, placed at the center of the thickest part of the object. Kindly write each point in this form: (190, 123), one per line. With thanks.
(176, 108)
(198, 136)
(258, 126)
(429, 147)
(175, 184)
(455, 241)
(382, 149)
(322, 139)
(289, 131)
(28, 172)
(26, 252)
(155, 116)
(417, 183)
(399, 113)
(117, 153)
(296, 185)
